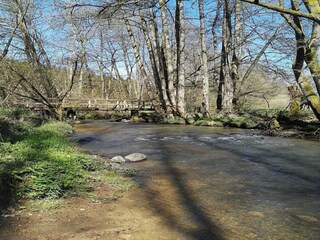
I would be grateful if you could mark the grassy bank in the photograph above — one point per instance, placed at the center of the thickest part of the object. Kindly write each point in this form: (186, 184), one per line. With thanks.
(38, 161)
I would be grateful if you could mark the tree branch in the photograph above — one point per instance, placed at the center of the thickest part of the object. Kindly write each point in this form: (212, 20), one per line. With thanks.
(312, 16)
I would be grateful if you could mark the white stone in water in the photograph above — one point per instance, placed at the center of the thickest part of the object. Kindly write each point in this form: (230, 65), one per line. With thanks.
(136, 157)
(118, 159)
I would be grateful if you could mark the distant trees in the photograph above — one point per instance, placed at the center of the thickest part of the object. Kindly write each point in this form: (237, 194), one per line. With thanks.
(180, 54)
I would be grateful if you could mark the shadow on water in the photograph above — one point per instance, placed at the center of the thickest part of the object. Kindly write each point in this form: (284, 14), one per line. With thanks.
(279, 169)
(262, 160)
(203, 227)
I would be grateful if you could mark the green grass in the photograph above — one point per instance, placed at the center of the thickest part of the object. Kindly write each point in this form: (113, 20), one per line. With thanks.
(44, 205)
(40, 162)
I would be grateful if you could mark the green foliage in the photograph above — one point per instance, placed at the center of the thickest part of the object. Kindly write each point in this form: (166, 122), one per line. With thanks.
(174, 120)
(244, 121)
(43, 164)
(208, 122)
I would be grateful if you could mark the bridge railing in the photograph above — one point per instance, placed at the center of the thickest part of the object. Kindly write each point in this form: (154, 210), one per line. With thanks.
(98, 104)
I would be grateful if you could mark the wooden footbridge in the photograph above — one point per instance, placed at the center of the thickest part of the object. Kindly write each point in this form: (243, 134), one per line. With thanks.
(109, 105)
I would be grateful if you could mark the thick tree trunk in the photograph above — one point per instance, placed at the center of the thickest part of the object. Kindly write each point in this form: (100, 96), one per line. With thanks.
(225, 90)
(159, 61)
(312, 56)
(180, 39)
(313, 99)
(204, 60)
(167, 56)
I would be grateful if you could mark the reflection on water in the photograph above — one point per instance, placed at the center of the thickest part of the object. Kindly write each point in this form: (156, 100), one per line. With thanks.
(212, 183)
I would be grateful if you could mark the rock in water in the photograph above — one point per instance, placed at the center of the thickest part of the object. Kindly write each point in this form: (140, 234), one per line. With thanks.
(118, 159)
(116, 166)
(136, 157)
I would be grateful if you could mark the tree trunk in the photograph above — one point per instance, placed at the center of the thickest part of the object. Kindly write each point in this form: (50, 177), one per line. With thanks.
(159, 61)
(141, 70)
(180, 39)
(225, 90)
(101, 67)
(154, 65)
(235, 51)
(312, 56)
(82, 64)
(167, 56)
(204, 60)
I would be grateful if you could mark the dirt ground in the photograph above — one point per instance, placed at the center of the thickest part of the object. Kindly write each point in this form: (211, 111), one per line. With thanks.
(80, 218)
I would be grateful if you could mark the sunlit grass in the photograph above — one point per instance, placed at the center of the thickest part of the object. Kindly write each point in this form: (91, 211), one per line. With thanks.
(114, 181)
(43, 164)
(44, 205)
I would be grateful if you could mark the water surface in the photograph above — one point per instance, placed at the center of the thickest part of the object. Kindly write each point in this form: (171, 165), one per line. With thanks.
(215, 183)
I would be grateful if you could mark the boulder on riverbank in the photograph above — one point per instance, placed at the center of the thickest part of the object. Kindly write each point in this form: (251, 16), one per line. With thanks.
(118, 159)
(136, 157)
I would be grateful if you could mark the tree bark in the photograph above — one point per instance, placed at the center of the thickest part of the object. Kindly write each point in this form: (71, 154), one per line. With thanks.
(312, 56)
(160, 61)
(225, 89)
(180, 40)
(236, 61)
(204, 60)
(167, 56)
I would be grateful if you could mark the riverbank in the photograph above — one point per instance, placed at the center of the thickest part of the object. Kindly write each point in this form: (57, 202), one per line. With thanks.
(271, 122)
(42, 174)
(101, 214)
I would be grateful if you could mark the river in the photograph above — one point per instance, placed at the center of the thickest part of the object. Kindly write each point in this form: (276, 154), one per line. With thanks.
(217, 183)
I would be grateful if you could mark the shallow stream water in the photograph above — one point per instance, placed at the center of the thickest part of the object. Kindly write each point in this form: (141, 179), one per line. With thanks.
(216, 183)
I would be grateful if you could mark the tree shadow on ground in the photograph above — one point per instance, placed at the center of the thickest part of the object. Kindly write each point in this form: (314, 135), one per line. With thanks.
(196, 223)
(6, 201)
